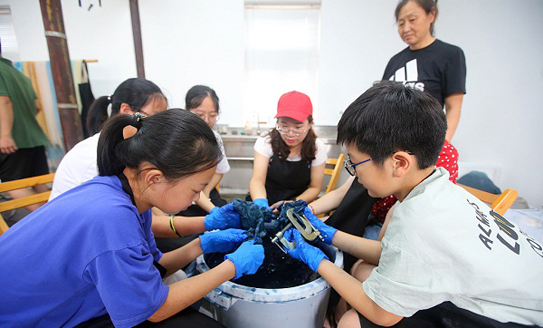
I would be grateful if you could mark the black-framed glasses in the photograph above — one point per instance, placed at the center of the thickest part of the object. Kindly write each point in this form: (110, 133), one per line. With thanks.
(351, 167)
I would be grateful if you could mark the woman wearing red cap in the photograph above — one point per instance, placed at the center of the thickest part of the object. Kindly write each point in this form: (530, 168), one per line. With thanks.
(289, 161)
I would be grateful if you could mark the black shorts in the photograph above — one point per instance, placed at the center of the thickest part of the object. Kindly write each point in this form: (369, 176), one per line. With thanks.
(446, 315)
(24, 163)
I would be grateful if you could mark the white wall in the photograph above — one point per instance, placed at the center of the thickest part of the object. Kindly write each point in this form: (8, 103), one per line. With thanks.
(196, 42)
(101, 33)
(104, 34)
(201, 42)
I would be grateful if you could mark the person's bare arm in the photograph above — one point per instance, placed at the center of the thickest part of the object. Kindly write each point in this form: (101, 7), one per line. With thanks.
(185, 292)
(204, 202)
(331, 200)
(184, 225)
(7, 144)
(38, 106)
(352, 291)
(315, 185)
(257, 185)
(212, 184)
(453, 109)
(177, 259)
(366, 249)
(387, 221)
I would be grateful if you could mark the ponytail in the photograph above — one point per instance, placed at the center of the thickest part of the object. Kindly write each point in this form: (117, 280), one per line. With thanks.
(97, 114)
(111, 138)
(176, 142)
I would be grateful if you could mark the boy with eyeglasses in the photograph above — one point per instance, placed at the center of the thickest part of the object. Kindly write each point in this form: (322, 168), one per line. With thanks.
(447, 259)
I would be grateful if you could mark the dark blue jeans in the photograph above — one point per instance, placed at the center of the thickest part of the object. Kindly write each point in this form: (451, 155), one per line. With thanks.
(479, 180)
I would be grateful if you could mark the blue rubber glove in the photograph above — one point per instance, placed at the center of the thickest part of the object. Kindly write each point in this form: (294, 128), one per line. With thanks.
(326, 231)
(310, 255)
(247, 258)
(224, 217)
(223, 241)
(262, 202)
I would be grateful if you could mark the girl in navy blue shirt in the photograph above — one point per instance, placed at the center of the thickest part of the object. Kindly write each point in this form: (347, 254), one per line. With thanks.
(90, 253)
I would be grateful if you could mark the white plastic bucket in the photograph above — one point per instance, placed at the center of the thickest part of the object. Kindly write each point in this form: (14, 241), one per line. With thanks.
(238, 306)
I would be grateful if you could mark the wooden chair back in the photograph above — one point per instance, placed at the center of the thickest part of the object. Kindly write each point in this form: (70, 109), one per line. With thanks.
(24, 201)
(337, 165)
(499, 203)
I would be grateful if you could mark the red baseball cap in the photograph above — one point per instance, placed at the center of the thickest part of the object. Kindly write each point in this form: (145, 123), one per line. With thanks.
(295, 105)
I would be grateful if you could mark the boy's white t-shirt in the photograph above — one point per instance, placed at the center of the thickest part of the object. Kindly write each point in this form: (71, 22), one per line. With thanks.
(443, 244)
(264, 148)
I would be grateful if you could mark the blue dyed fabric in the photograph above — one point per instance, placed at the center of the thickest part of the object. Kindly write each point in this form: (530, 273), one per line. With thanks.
(262, 222)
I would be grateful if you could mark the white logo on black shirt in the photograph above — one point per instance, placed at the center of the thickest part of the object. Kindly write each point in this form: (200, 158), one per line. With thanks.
(409, 75)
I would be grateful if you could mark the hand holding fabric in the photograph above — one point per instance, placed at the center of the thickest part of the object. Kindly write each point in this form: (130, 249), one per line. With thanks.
(262, 202)
(223, 241)
(310, 255)
(224, 217)
(247, 258)
(326, 231)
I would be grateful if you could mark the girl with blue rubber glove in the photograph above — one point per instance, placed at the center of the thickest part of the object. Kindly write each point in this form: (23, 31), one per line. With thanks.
(161, 161)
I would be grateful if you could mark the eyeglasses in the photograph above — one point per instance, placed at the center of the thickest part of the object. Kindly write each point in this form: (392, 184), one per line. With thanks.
(296, 131)
(139, 110)
(203, 116)
(351, 168)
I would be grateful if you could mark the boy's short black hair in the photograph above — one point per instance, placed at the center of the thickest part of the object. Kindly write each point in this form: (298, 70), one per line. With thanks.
(390, 117)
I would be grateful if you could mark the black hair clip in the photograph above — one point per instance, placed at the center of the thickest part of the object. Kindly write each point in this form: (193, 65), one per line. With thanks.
(137, 120)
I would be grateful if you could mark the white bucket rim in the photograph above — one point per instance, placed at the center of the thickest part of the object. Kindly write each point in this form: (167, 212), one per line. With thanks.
(272, 295)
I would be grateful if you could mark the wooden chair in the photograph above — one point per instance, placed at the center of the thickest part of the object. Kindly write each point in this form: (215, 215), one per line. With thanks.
(334, 172)
(499, 203)
(24, 201)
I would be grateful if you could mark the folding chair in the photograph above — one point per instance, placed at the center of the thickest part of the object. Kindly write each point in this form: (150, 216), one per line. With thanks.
(24, 201)
(334, 172)
(499, 203)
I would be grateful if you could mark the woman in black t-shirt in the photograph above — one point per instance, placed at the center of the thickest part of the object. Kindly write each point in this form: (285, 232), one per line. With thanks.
(428, 64)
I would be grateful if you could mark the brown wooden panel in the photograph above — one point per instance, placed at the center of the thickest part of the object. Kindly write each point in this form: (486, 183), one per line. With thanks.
(25, 183)
(24, 201)
(61, 69)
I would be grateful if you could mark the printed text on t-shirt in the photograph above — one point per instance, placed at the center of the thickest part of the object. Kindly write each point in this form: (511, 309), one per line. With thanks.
(506, 235)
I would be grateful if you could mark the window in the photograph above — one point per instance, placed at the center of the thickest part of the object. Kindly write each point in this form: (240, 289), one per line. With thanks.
(10, 48)
(281, 55)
